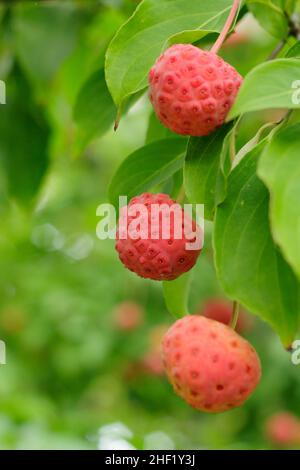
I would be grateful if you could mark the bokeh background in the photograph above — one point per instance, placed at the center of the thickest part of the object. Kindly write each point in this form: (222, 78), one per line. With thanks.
(77, 376)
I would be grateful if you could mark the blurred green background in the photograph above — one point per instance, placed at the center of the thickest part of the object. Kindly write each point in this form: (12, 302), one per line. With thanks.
(74, 379)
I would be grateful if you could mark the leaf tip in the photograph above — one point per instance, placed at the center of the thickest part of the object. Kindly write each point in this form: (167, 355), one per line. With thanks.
(117, 120)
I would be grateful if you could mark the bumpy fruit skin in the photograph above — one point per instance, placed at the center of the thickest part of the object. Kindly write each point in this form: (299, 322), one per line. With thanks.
(157, 258)
(283, 429)
(221, 311)
(192, 90)
(209, 365)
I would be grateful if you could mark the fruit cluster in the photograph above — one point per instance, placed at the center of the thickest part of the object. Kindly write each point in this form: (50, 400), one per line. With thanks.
(209, 365)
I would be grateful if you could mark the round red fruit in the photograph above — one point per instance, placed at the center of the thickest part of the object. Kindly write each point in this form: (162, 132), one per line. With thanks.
(209, 365)
(128, 316)
(283, 429)
(192, 90)
(156, 239)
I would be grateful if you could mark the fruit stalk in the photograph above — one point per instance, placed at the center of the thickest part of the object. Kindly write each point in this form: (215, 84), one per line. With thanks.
(235, 315)
(227, 26)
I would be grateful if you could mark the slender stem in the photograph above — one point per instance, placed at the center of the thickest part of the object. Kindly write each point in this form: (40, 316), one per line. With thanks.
(235, 315)
(288, 115)
(227, 26)
(277, 49)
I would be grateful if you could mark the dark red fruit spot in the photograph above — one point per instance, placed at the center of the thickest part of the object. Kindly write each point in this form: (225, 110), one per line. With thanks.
(243, 390)
(177, 356)
(231, 365)
(234, 344)
(207, 406)
(213, 335)
(229, 87)
(220, 387)
(194, 374)
(215, 358)
(248, 369)
(194, 393)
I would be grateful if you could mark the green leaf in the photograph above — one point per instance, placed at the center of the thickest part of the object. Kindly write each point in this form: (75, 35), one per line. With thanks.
(147, 167)
(270, 15)
(294, 51)
(226, 158)
(44, 35)
(24, 139)
(139, 42)
(251, 143)
(279, 168)
(290, 6)
(94, 110)
(249, 265)
(202, 169)
(176, 294)
(270, 85)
